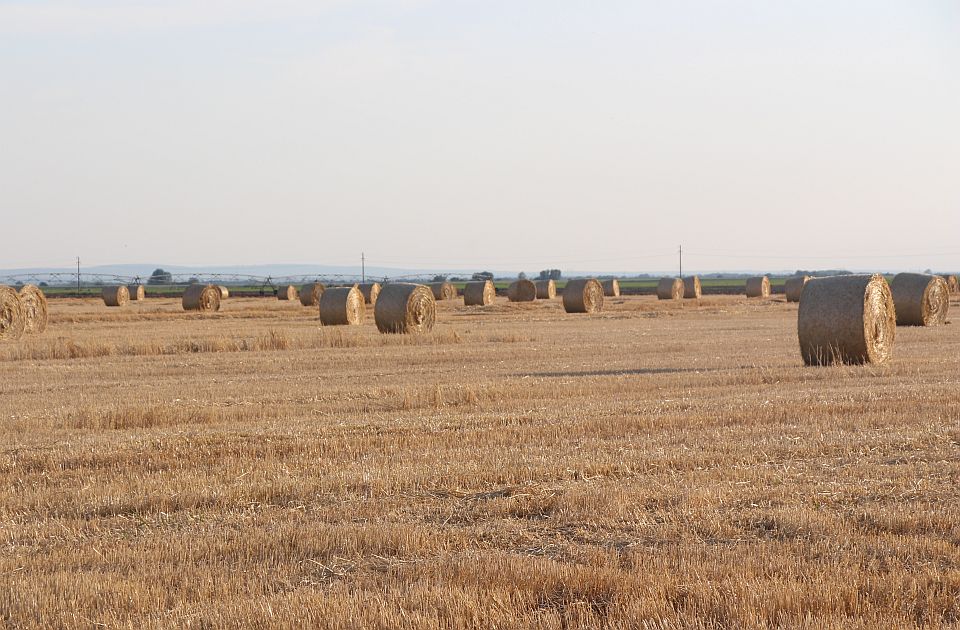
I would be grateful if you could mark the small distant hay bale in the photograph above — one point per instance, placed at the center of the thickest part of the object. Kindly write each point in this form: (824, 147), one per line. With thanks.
(287, 292)
(342, 306)
(793, 287)
(116, 296)
(546, 289)
(370, 292)
(310, 293)
(846, 319)
(480, 293)
(611, 287)
(758, 287)
(13, 321)
(584, 295)
(34, 309)
(136, 292)
(405, 309)
(920, 299)
(202, 297)
(692, 288)
(443, 290)
(522, 291)
(953, 283)
(670, 289)
(224, 292)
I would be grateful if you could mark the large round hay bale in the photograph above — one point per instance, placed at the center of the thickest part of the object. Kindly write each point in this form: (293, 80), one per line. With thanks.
(34, 309)
(522, 291)
(846, 319)
(12, 320)
(920, 299)
(201, 297)
(310, 293)
(793, 287)
(479, 293)
(224, 292)
(953, 283)
(758, 287)
(116, 296)
(342, 306)
(692, 288)
(287, 292)
(584, 295)
(136, 292)
(370, 292)
(546, 289)
(405, 308)
(670, 289)
(611, 287)
(443, 290)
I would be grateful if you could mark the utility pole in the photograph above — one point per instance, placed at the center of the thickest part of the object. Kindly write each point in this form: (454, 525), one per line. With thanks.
(78, 276)
(681, 261)
(363, 267)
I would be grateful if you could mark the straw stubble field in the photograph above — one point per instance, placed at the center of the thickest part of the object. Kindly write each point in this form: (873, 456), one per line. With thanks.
(655, 465)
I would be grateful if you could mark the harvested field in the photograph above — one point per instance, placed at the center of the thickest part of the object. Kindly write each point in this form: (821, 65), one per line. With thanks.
(680, 468)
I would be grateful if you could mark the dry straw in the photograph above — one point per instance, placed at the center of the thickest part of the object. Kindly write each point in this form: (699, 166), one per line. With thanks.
(953, 283)
(793, 287)
(34, 309)
(370, 292)
(116, 296)
(224, 292)
(479, 293)
(546, 289)
(584, 295)
(846, 319)
(136, 292)
(670, 289)
(692, 288)
(522, 291)
(443, 291)
(342, 306)
(287, 292)
(405, 308)
(758, 287)
(202, 297)
(611, 288)
(310, 293)
(13, 322)
(920, 299)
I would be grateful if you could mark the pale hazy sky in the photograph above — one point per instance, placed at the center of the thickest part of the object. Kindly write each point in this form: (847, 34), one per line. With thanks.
(482, 133)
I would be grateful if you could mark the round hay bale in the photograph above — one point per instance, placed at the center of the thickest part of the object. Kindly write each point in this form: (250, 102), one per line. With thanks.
(584, 295)
(13, 322)
(34, 309)
(670, 289)
(224, 292)
(370, 292)
(116, 296)
(443, 290)
(522, 291)
(611, 287)
(479, 293)
(546, 289)
(405, 308)
(953, 283)
(794, 287)
(758, 287)
(287, 292)
(310, 293)
(136, 292)
(846, 319)
(342, 306)
(201, 297)
(692, 288)
(920, 299)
